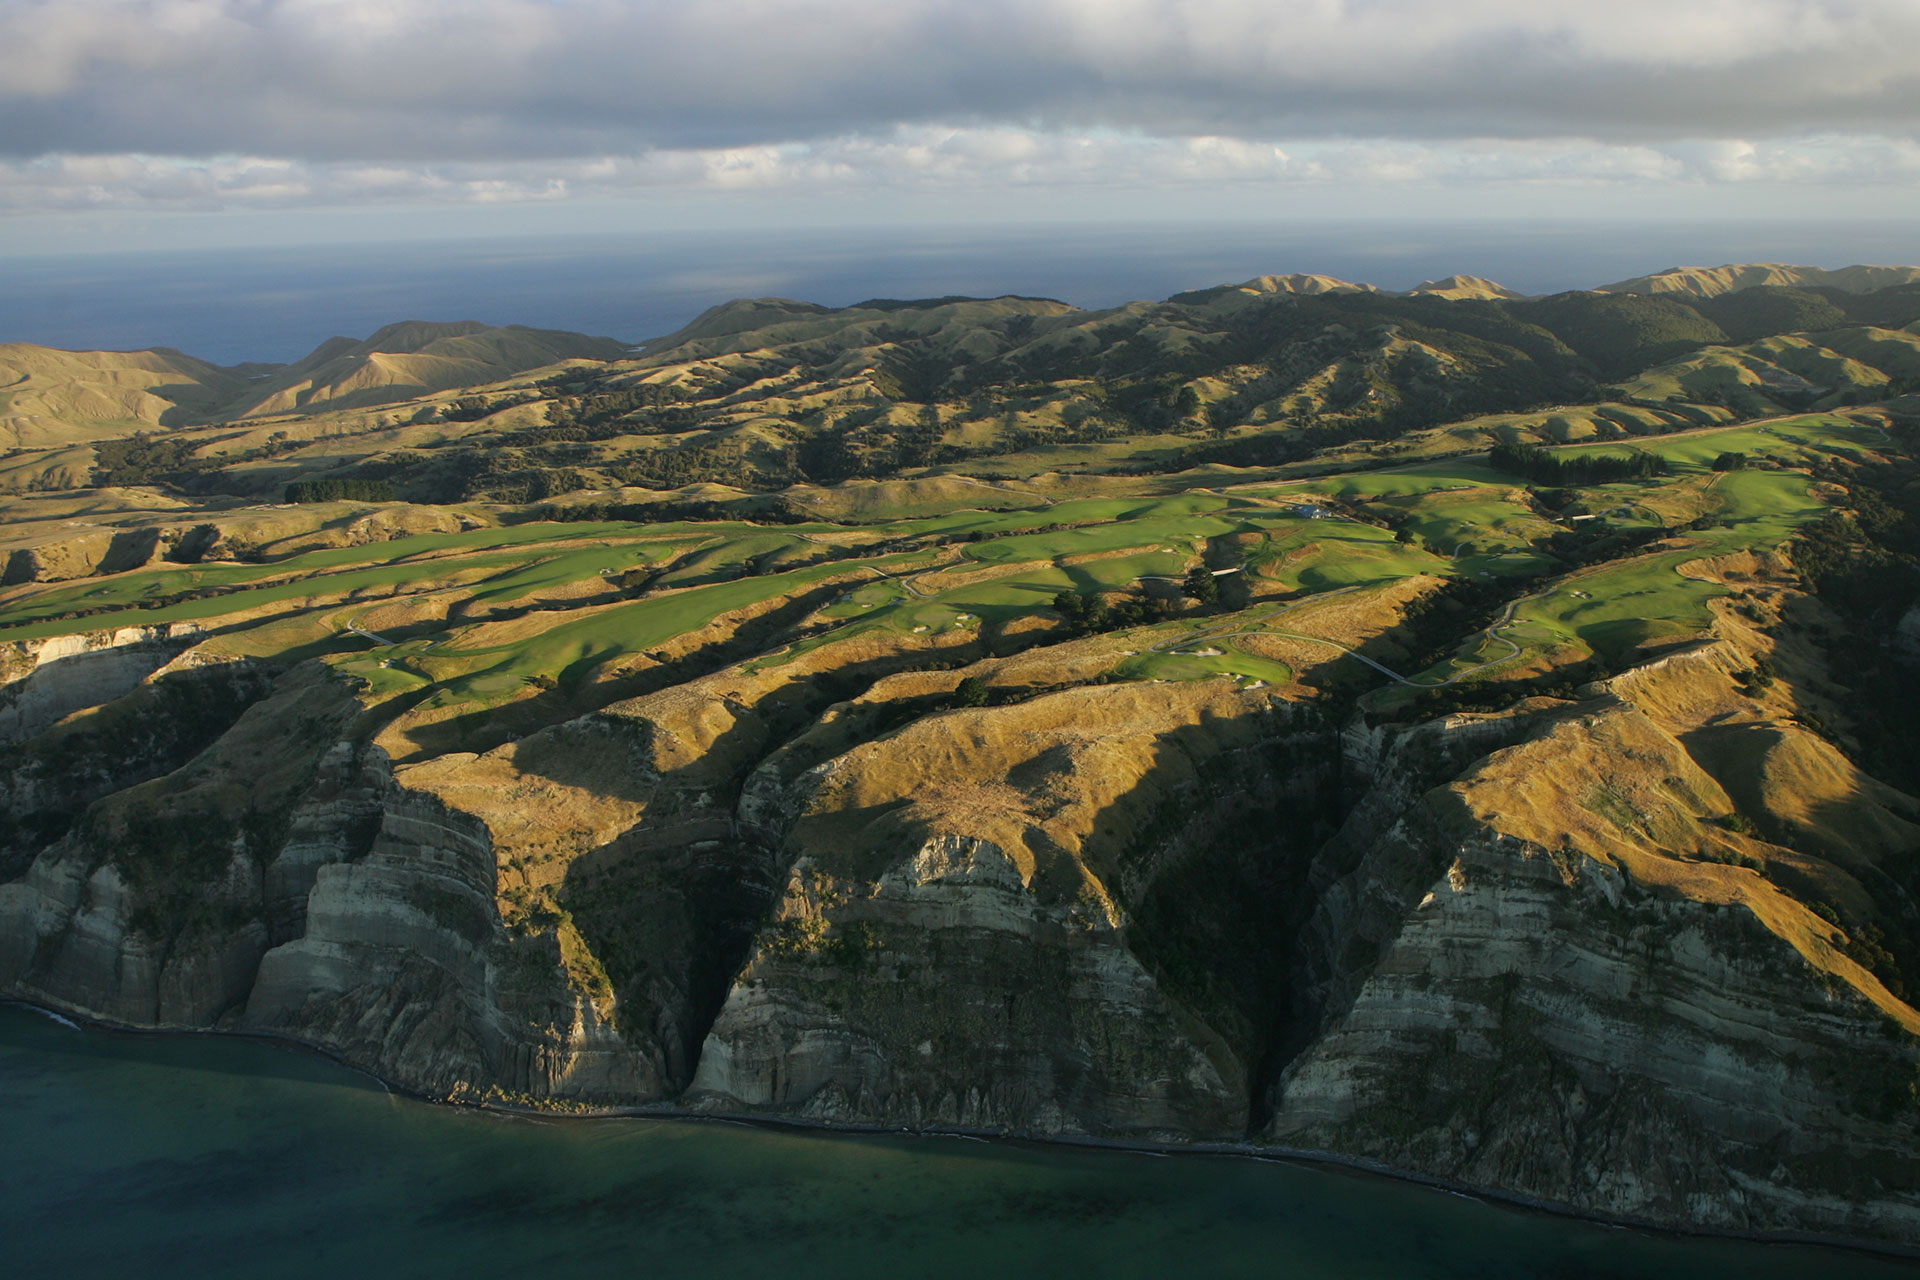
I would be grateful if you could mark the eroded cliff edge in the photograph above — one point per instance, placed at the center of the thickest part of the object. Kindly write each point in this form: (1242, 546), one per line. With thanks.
(1565, 950)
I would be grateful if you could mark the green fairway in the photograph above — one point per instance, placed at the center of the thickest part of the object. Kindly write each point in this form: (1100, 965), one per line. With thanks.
(1644, 598)
(1320, 555)
(569, 649)
(1422, 477)
(1455, 516)
(1794, 438)
(334, 572)
(1228, 662)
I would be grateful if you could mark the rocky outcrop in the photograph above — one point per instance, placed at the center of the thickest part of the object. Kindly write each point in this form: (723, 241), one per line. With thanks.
(92, 928)
(975, 928)
(854, 1009)
(1586, 1026)
(42, 681)
(404, 965)
(368, 927)
(170, 716)
(1564, 1034)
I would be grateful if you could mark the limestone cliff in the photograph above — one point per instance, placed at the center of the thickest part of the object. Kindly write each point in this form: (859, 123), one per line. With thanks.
(1586, 1017)
(1553, 951)
(42, 681)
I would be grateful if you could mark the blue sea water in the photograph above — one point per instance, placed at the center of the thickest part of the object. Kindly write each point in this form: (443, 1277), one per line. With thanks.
(276, 304)
(208, 1157)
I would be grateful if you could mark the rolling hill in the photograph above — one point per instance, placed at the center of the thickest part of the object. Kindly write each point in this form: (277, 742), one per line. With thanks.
(51, 396)
(1709, 282)
(412, 359)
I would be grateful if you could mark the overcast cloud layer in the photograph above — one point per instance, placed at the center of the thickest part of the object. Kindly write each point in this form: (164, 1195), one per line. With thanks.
(237, 103)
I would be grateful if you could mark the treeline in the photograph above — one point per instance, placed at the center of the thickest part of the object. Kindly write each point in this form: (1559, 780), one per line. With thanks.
(660, 512)
(1548, 467)
(1085, 614)
(142, 458)
(1595, 541)
(1273, 448)
(346, 489)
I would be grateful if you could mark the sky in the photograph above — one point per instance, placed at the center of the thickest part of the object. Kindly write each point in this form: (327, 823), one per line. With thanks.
(146, 124)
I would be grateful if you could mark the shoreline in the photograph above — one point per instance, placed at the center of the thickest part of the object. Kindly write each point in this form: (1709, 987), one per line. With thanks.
(1306, 1158)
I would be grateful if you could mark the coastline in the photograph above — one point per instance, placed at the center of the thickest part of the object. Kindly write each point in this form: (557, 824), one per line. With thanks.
(1325, 1161)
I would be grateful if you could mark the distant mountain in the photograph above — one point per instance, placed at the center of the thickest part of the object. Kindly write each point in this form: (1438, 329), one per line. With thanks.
(1301, 283)
(1463, 287)
(415, 358)
(50, 397)
(761, 393)
(1710, 282)
(1454, 287)
(747, 324)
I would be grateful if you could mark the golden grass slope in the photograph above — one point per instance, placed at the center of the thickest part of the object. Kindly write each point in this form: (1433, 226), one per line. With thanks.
(415, 358)
(54, 399)
(1300, 282)
(51, 398)
(1458, 287)
(756, 324)
(1820, 370)
(1711, 282)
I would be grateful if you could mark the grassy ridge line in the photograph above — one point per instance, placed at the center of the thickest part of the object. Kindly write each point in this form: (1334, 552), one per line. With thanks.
(1309, 555)
(340, 571)
(1611, 607)
(492, 672)
(385, 563)
(417, 551)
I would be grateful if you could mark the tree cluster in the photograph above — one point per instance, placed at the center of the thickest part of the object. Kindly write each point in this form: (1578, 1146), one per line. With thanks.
(144, 459)
(1201, 585)
(344, 489)
(1087, 614)
(1548, 467)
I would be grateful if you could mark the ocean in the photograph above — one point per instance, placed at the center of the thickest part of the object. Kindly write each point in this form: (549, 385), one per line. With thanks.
(160, 1156)
(276, 304)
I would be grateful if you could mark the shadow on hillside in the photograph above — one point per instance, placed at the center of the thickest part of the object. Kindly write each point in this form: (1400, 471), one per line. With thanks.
(1224, 878)
(483, 728)
(671, 906)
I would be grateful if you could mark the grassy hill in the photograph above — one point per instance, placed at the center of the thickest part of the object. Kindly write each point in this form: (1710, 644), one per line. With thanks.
(759, 395)
(50, 397)
(1708, 282)
(411, 359)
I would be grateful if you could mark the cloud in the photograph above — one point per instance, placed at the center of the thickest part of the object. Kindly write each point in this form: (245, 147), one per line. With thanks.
(927, 158)
(418, 82)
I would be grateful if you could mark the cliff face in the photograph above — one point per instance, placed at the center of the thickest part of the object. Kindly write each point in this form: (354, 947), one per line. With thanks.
(43, 681)
(1529, 951)
(404, 963)
(354, 914)
(859, 1013)
(1628, 1027)
(84, 717)
(1574, 1037)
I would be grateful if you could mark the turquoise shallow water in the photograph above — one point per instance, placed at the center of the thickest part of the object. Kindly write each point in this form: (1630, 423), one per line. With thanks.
(163, 1156)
